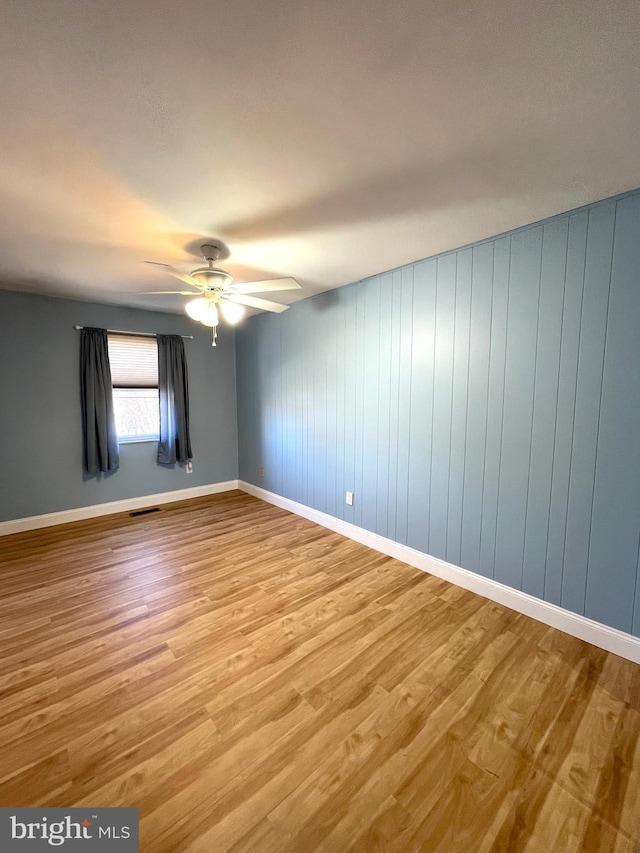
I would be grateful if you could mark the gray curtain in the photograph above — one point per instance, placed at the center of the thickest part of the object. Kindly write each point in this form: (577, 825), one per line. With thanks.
(175, 442)
(100, 439)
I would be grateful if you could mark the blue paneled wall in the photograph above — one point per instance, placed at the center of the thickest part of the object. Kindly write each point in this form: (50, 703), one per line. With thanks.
(483, 406)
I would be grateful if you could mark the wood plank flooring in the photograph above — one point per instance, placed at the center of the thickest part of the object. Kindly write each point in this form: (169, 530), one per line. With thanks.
(253, 682)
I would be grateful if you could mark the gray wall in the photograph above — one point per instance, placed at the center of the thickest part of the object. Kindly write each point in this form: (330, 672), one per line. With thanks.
(484, 406)
(40, 428)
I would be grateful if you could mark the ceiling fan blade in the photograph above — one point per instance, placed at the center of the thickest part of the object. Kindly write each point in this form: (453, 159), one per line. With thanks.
(177, 274)
(252, 302)
(271, 285)
(160, 292)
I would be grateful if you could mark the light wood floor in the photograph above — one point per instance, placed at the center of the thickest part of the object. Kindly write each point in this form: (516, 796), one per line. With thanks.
(253, 682)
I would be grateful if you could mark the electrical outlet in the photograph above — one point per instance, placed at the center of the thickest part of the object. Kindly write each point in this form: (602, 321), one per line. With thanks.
(261, 472)
(349, 498)
(189, 467)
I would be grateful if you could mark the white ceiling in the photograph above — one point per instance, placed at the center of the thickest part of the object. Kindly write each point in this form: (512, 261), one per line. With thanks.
(324, 140)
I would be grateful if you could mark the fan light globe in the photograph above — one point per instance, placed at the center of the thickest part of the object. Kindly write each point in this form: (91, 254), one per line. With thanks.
(196, 309)
(232, 312)
(210, 316)
(202, 311)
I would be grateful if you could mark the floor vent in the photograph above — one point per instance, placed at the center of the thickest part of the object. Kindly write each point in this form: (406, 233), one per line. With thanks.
(144, 511)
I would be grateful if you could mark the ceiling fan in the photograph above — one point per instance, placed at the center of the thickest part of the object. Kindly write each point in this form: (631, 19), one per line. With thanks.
(217, 291)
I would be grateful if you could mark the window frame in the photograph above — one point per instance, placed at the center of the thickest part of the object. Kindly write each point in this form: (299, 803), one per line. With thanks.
(118, 386)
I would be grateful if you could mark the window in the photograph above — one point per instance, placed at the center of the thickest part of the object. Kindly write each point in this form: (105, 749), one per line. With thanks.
(134, 375)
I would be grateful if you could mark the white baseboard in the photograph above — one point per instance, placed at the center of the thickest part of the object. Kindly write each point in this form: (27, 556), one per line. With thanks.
(33, 522)
(610, 639)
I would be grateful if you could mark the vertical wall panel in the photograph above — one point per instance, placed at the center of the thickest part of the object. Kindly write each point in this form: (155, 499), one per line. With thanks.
(404, 404)
(595, 299)
(476, 435)
(524, 293)
(359, 416)
(390, 506)
(285, 411)
(350, 397)
(442, 404)
(382, 423)
(303, 391)
(497, 362)
(277, 421)
(248, 374)
(273, 444)
(372, 359)
(263, 404)
(331, 346)
(616, 507)
(484, 407)
(421, 412)
(319, 413)
(565, 412)
(298, 446)
(545, 403)
(459, 398)
(307, 398)
(342, 354)
(247, 402)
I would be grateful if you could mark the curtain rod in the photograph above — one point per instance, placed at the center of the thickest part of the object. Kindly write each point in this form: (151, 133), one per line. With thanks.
(138, 334)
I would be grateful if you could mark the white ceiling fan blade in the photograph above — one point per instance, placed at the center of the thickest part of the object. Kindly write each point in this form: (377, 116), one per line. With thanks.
(177, 274)
(252, 302)
(267, 286)
(161, 292)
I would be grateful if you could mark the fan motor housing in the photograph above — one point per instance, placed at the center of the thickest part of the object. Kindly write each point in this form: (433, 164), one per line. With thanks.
(212, 278)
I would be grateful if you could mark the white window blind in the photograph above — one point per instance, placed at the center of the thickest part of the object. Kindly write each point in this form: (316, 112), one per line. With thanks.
(134, 361)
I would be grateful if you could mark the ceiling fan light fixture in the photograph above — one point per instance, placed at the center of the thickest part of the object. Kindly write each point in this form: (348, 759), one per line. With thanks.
(232, 312)
(217, 291)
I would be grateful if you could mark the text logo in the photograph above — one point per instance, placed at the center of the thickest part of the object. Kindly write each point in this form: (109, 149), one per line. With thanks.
(101, 829)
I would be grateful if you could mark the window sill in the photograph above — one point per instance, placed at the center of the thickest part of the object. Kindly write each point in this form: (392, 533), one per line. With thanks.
(138, 439)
